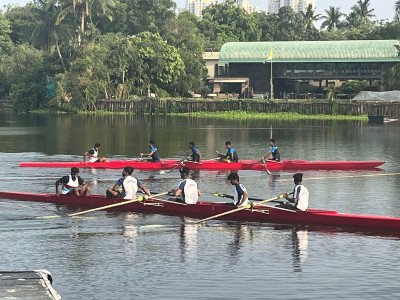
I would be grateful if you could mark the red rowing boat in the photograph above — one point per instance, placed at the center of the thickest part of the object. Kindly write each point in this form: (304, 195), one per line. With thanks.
(287, 165)
(113, 164)
(262, 213)
(298, 165)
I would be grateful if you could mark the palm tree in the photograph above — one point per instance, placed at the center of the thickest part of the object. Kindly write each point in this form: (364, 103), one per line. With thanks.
(311, 17)
(362, 11)
(332, 18)
(48, 33)
(397, 11)
(82, 11)
(352, 20)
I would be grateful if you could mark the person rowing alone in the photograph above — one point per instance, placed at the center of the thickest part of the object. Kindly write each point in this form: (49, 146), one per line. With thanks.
(70, 184)
(187, 191)
(231, 155)
(273, 154)
(299, 201)
(93, 155)
(127, 186)
(195, 156)
(241, 197)
(153, 154)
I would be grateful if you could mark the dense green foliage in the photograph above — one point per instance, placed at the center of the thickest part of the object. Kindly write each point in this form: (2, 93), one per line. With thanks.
(245, 115)
(122, 49)
(353, 87)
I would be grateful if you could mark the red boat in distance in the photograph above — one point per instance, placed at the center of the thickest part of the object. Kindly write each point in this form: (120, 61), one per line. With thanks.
(203, 209)
(287, 165)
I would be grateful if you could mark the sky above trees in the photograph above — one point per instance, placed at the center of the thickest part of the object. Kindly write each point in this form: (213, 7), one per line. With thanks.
(385, 11)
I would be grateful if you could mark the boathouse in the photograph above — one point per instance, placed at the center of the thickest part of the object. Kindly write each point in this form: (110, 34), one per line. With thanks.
(300, 68)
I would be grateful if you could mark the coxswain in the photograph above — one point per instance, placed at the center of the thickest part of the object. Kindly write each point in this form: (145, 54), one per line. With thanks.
(188, 191)
(127, 186)
(273, 153)
(153, 154)
(93, 155)
(70, 184)
(231, 155)
(299, 201)
(195, 156)
(241, 196)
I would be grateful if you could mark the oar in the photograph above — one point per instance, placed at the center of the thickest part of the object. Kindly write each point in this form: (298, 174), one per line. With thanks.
(238, 209)
(170, 193)
(181, 162)
(101, 207)
(232, 197)
(265, 166)
(224, 195)
(347, 176)
(220, 155)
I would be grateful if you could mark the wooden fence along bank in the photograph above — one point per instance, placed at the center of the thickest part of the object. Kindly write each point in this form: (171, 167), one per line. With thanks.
(190, 106)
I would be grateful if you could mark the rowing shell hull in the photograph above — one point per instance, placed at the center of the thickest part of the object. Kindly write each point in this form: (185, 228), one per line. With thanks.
(287, 165)
(114, 164)
(266, 214)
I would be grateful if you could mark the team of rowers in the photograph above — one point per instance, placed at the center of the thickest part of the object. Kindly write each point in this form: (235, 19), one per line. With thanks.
(187, 191)
(195, 156)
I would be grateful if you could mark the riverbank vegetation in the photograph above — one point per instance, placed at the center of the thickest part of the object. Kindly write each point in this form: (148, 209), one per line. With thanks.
(65, 54)
(245, 115)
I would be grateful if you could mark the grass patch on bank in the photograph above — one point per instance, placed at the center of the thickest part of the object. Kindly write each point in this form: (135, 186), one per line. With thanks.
(242, 115)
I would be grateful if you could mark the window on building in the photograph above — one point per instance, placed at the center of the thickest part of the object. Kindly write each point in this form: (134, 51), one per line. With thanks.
(347, 69)
(325, 70)
(303, 69)
(372, 69)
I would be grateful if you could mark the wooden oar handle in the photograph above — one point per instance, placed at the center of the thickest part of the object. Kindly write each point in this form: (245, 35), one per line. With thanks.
(238, 209)
(112, 205)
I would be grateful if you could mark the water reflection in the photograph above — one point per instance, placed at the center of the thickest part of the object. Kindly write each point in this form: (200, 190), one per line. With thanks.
(299, 243)
(272, 180)
(130, 234)
(188, 239)
(240, 233)
(300, 247)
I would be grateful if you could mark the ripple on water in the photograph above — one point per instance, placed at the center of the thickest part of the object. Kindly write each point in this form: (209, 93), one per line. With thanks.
(105, 255)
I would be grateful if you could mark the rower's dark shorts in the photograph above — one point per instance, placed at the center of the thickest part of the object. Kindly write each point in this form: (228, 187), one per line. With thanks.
(71, 192)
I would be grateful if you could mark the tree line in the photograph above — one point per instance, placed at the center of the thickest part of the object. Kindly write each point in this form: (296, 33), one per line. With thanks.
(122, 49)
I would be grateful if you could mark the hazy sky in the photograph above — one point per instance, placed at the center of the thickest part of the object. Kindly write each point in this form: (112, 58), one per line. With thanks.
(384, 9)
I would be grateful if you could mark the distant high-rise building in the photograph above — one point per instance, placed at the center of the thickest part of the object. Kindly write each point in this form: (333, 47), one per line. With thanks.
(247, 6)
(196, 7)
(297, 5)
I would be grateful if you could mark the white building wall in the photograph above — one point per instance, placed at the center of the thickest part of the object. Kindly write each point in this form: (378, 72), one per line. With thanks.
(196, 7)
(296, 5)
(245, 4)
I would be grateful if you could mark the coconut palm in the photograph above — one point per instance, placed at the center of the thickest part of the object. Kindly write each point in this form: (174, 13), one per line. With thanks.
(352, 20)
(397, 11)
(82, 11)
(311, 17)
(332, 18)
(362, 11)
(48, 33)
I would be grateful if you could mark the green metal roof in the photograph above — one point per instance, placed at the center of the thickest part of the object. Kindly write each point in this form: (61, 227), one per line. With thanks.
(311, 51)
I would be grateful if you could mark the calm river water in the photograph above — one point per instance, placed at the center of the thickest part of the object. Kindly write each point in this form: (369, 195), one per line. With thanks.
(103, 256)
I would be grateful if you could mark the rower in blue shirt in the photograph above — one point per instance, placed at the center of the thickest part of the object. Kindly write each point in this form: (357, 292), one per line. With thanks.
(195, 156)
(154, 156)
(231, 155)
(273, 153)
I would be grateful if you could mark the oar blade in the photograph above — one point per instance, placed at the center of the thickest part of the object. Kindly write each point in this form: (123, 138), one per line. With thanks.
(48, 217)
